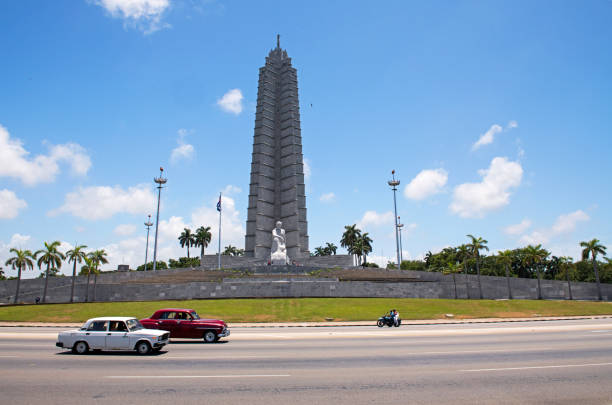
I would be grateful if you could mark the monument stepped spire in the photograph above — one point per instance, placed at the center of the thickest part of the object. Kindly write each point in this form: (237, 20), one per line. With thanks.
(276, 190)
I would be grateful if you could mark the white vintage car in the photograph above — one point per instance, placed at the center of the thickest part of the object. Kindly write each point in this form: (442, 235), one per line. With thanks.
(113, 333)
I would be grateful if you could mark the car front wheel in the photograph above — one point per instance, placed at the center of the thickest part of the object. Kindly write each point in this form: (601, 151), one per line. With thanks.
(80, 347)
(210, 336)
(143, 348)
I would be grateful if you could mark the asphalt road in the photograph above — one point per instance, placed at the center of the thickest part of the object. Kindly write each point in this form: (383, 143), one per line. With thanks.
(556, 362)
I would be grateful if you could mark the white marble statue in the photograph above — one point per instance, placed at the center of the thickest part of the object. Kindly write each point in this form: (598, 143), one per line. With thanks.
(278, 252)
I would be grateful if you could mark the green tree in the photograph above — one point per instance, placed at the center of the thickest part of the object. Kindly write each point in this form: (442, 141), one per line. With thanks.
(77, 254)
(186, 239)
(22, 260)
(232, 251)
(320, 251)
(463, 255)
(566, 264)
(330, 248)
(49, 256)
(475, 246)
(97, 257)
(366, 246)
(453, 268)
(533, 257)
(593, 248)
(505, 258)
(349, 237)
(161, 265)
(202, 239)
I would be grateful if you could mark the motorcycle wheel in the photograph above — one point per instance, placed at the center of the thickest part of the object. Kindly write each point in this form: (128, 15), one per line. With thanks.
(380, 323)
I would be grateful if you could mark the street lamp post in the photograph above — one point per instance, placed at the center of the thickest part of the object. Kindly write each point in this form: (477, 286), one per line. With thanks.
(400, 226)
(394, 183)
(148, 224)
(160, 182)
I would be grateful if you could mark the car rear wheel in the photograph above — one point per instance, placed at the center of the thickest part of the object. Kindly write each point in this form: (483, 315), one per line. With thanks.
(210, 336)
(143, 348)
(80, 347)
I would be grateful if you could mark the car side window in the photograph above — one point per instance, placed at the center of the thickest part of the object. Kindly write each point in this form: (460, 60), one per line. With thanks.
(171, 315)
(163, 315)
(98, 326)
(118, 326)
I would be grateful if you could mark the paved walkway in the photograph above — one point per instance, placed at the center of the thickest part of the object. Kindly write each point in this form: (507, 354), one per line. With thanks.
(405, 322)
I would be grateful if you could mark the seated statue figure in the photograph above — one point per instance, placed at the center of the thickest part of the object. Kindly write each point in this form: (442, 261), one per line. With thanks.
(278, 252)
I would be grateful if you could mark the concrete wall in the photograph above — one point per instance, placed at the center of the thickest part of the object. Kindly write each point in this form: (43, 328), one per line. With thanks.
(132, 286)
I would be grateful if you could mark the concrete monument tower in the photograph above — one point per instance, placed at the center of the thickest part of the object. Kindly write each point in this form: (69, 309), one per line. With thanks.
(276, 191)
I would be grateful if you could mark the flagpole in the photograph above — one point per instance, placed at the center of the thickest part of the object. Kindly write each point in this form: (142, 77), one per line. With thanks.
(220, 209)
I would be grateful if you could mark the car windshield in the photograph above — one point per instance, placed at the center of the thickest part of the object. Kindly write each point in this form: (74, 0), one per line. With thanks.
(195, 315)
(133, 325)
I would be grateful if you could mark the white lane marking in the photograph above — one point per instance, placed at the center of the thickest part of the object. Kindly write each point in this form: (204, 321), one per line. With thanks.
(537, 367)
(601, 331)
(213, 358)
(197, 376)
(7, 356)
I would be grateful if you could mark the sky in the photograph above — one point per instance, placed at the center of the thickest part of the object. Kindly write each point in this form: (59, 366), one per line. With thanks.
(495, 115)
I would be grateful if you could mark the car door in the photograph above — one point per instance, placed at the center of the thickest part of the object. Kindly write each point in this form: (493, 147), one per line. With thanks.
(167, 321)
(185, 327)
(95, 335)
(117, 337)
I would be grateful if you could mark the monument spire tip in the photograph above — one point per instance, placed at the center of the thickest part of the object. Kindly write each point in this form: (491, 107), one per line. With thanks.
(278, 40)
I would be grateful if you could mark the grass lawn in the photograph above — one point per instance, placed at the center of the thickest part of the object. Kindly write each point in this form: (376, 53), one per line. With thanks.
(308, 309)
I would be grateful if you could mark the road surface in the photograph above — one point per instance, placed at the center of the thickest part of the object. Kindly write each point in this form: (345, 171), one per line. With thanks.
(553, 362)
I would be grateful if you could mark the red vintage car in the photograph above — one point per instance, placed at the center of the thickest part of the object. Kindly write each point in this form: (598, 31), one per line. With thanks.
(186, 323)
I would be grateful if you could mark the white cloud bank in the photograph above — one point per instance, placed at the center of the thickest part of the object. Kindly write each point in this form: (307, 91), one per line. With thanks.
(425, 184)
(517, 229)
(145, 15)
(10, 204)
(17, 164)
(327, 197)
(475, 200)
(564, 224)
(231, 101)
(373, 218)
(102, 202)
(183, 151)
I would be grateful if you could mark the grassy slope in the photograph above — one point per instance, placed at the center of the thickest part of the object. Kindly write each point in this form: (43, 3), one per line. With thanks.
(309, 309)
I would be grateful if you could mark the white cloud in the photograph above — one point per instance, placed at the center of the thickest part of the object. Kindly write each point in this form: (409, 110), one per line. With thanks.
(102, 202)
(373, 218)
(125, 229)
(231, 101)
(307, 169)
(474, 200)
(511, 125)
(231, 190)
(183, 151)
(487, 137)
(145, 15)
(564, 224)
(517, 229)
(425, 184)
(42, 168)
(327, 197)
(10, 204)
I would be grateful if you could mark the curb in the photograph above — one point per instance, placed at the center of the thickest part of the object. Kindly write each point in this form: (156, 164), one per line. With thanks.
(342, 324)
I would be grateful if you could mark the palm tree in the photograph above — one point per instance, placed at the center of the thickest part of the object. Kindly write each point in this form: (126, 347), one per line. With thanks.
(476, 246)
(592, 248)
(21, 261)
(49, 256)
(366, 246)
(331, 248)
(187, 239)
(232, 251)
(566, 263)
(320, 251)
(452, 268)
(202, 239)
(532, 257)
(77, 254)
(463, 253)
(88, 267)
(97, 257)
(350, 235)
(505, 258)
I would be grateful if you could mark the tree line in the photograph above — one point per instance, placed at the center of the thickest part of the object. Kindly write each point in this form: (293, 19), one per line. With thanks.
(51, 259)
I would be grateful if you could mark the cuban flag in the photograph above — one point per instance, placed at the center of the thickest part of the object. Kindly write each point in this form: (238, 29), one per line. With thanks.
(219, 204)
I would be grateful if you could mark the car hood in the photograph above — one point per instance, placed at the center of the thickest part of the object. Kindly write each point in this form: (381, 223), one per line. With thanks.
(148, 332)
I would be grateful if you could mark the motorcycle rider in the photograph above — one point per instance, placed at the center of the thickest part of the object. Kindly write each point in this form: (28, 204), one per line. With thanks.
(396, 318)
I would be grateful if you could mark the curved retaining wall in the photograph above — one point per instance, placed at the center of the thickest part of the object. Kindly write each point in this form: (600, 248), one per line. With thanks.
(133, 286)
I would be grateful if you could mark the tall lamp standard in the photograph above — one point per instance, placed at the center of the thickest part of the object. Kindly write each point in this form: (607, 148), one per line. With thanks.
(394, 183)
(148, 224)
(160, 182)
(400, 226)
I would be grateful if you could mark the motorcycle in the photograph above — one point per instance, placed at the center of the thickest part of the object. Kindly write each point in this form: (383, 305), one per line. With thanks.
(388, 320)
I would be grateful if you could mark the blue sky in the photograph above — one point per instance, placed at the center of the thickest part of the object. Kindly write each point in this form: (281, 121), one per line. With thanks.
(496, 117)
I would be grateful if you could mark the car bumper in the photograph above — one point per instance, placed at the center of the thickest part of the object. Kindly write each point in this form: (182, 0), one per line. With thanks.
(159, 345)
(59, 344)
(224, 333)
